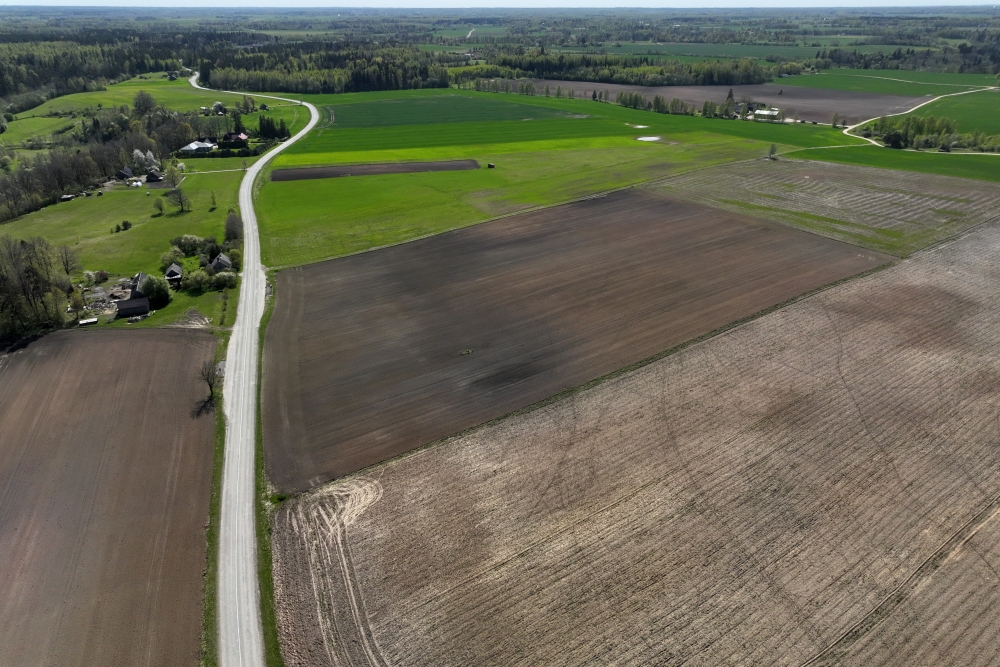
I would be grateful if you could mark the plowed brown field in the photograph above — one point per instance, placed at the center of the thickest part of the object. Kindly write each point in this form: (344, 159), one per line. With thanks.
(105, 478)
(372, 355)
(819, 482)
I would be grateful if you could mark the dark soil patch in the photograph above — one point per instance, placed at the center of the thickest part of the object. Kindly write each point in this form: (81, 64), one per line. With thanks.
(372, 355)
(105, 478)
(811, 104)
(301, 174)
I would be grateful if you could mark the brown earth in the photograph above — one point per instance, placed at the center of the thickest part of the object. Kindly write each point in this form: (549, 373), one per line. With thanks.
(303, 173)
(891, 211)
(105, 476)
(820, 482)
(812, 104)
(372, 355)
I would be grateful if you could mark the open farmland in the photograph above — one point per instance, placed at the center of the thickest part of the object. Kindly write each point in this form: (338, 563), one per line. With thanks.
(105, 477)
(975, 166)
(890, 211)
(306, 173)
(547, 152)
(372, 355)
(747, 500)
(971, 112)
(805, 103)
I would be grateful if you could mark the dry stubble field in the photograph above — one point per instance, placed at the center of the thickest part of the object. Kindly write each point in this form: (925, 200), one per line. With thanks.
(105, 477)
(892, 211)
(372, 355)
(749, 500)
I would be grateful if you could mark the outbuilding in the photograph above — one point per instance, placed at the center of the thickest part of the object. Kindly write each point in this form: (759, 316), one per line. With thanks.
(221, 263)
(132, 307)
(173, 274)
(124, 174)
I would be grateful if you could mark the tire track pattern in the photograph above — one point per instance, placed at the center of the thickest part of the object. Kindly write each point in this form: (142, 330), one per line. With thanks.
(746, 501)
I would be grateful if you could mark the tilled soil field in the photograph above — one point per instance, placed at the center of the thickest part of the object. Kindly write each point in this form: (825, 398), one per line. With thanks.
(811, 104)
(821, 482)
(105, 476)
(370, 356)
(892, 211)
(304, 173)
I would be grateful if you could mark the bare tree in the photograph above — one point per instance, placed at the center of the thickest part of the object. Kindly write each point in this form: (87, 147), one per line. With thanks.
(209, 374)
(179, 199)
(67, 259)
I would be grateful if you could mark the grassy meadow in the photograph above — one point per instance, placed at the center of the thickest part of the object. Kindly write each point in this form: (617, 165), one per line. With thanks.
(975, 111)
(978, 166)
(85, 225)
(546, 151)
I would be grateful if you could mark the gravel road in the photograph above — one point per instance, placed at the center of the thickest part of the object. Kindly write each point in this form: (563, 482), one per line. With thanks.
(241, 642)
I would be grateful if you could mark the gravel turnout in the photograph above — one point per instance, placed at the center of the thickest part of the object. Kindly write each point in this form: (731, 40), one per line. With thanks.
(892, 211)
(819, 485)
(372, 355)
(304, 173)
(105, 476)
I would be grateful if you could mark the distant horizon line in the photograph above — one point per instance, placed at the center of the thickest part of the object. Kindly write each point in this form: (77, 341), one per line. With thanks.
(267, 5)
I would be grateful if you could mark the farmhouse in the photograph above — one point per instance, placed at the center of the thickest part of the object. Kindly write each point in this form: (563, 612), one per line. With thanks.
(198, 147)
(124, 174)
(134, 306)
(221, 263)
(173, 274)
(771, 114)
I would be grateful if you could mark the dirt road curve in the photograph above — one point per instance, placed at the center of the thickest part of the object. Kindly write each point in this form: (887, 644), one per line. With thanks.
(240, 640)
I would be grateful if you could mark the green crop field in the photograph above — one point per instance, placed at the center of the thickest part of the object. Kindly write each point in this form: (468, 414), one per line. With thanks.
(178, 95)
(28, 128)
(567, 149)
(85, 225)
(979, 166)
(975, 111)
(891, 82)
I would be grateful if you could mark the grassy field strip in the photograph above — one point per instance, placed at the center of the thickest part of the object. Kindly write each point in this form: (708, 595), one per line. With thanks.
(847, 130)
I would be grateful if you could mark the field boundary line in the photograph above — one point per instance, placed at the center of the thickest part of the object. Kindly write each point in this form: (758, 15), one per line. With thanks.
(607, 377)
(901, 593)
(652, 182)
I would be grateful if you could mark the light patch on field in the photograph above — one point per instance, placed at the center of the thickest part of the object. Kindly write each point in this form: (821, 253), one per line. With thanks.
(892, 211)
(647, 138)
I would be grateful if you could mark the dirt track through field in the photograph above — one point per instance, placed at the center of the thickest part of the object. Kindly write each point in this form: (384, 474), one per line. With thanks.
(810, 104)
(372, 355)
(304, 173)
(748, 500)
(105, 476)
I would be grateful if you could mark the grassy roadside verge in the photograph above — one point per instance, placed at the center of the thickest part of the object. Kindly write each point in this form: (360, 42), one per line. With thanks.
(265, 562)
(209, 629)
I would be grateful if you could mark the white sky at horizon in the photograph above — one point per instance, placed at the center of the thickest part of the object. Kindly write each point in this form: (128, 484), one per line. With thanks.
(504, 4)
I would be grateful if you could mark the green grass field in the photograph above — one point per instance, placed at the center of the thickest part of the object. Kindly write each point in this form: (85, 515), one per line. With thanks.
(975, 111)
(979, 166)
(178, 95)
(85, 225)
(568, 149)
(891, 82)
(22, 130)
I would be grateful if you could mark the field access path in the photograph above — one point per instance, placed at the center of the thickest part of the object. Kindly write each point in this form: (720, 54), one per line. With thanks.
(241, 642)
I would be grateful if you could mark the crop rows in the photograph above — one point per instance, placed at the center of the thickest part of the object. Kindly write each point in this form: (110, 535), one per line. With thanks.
(891, 211)
(746, 501)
